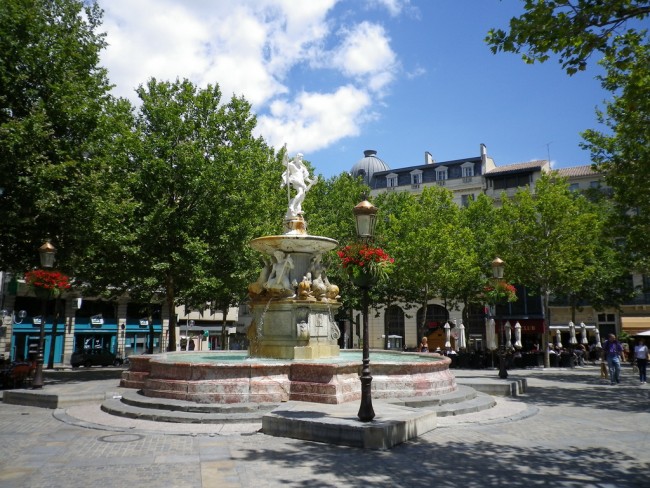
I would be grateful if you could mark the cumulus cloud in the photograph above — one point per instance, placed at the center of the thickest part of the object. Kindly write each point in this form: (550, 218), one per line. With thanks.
(313, 121)
(365, 53)
(252, 48)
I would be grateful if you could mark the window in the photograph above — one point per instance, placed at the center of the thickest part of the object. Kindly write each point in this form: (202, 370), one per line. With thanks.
(468, 170)
(594, 184)
(441, 174)
(606, 324)
(574, 187)
(391, 180)
(416, 178)
(466, 199)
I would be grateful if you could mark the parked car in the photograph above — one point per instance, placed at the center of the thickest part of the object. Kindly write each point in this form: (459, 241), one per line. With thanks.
(94, 357)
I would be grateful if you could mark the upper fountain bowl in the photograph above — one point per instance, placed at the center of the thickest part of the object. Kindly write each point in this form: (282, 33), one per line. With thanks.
(293, 244)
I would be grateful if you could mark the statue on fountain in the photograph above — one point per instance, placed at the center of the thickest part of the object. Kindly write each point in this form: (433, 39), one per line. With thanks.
(297, 176)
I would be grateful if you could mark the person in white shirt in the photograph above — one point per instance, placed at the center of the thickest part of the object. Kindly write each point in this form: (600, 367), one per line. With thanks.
(641, 357)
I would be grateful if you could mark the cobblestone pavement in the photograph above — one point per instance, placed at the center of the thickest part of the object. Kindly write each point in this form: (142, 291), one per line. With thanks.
(577, 431)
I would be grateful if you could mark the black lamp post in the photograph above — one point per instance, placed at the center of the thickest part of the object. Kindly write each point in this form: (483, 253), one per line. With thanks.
(46, 253)
(497, 273)
(365, 215)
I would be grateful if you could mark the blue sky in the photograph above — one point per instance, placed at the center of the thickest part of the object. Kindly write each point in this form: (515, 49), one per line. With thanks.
(331, 78)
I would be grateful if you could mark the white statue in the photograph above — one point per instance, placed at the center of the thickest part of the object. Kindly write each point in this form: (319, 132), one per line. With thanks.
(279, 279)
(297, 176)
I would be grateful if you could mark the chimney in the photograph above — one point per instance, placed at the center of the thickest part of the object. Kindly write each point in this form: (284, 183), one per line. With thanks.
(428, 158)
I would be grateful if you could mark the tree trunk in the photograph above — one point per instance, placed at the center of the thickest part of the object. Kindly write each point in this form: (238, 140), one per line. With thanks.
(171, 345)
(151, 331)
(545, 329)
(224, 333)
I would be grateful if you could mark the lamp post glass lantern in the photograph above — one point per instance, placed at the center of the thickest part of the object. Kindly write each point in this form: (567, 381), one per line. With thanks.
(46, 253)
(497, 273)
(365, 215)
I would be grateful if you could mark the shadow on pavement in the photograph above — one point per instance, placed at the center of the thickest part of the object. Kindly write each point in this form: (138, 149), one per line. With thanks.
(476, 464)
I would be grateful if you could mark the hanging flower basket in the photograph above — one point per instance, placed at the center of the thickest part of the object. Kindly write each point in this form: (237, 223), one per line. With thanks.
(362, 278)
(500, 292)
(365, 265)
(47, 284)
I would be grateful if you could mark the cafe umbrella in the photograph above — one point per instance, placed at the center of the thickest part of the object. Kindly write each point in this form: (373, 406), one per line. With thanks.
(518, 336)
(572, 334)
(583, 333)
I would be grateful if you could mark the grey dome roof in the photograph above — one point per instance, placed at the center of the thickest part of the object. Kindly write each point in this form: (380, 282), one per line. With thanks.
(368, 166)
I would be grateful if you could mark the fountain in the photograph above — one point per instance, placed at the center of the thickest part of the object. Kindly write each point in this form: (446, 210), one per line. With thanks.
(294, 352)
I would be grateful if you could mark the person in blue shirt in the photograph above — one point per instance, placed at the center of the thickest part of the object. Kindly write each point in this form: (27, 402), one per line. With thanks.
(613, 351)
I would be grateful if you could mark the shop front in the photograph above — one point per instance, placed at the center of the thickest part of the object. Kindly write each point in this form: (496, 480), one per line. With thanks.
(25, 338)
(122, 340)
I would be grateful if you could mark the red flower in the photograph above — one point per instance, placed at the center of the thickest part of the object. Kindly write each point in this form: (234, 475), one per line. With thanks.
(48, 280)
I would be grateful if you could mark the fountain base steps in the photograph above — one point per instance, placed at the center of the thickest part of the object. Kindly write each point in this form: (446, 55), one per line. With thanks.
(132, 404)
(397, 420)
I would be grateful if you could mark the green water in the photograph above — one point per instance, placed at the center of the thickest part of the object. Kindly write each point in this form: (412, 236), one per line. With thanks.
(231, 357)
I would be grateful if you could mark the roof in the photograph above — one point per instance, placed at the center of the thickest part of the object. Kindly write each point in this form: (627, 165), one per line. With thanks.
(437, 164)
(574, 171)
(368, 166)
(517, 168)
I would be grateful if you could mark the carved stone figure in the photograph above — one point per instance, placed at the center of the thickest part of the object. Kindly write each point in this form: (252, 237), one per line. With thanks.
(297, 176)
(257, 287)
(279, 280)
(304, 288)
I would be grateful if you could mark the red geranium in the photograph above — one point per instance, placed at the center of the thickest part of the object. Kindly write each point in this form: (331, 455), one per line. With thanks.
(54, 281)
(362, 258)
(502, 291)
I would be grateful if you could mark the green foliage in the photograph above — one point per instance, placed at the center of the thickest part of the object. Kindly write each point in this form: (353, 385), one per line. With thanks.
(623, 151)
(52, 90)
(188, 186)
(423, 233)
(616, 30)
(573, 30)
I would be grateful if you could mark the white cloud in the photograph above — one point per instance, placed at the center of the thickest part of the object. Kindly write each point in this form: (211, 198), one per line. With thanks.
(316, 120)
(394, 7)
(365, 53)
(250, 47)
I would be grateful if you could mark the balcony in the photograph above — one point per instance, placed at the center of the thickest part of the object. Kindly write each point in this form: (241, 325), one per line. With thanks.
(415, 186)
(467, 179)
(441, 182)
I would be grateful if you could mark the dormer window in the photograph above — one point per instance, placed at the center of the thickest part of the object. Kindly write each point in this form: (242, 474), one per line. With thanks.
(391, 180)
(441, 173)
(468, 170)
(416, 178)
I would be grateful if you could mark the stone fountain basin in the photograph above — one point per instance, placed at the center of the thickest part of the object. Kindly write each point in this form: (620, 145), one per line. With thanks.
(294, 244)
(227, 377)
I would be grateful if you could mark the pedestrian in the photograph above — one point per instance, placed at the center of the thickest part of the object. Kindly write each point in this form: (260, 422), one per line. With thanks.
(424, 345)
(641, 355)
(612, 352)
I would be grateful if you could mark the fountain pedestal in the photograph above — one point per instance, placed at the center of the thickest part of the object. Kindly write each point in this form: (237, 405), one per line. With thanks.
(293, 303)
(294, 330)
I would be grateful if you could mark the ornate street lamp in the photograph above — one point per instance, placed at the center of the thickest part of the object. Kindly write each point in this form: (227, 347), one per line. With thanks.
(365, 215)
(497, 273)
(46, 253)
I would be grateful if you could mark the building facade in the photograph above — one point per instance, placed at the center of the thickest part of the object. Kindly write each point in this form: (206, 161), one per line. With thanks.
(122, 327)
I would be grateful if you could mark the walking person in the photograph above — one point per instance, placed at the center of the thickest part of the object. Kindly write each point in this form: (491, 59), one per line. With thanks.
(613, 351)
(641, 356)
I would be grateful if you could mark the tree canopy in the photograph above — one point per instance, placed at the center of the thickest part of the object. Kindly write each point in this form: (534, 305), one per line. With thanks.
(615, 32)
(184, 178)
(52, 91)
